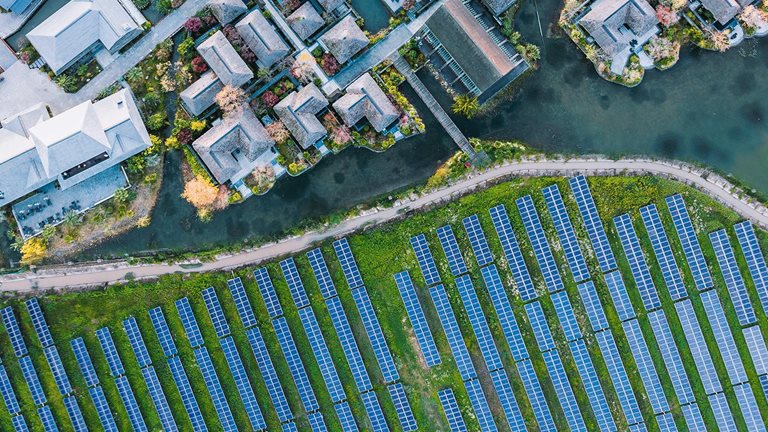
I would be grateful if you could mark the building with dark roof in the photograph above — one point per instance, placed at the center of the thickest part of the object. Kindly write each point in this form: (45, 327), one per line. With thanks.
(305, 21)
(298, 112)
(227, 11)
(345, 39)
(262, 39)
(364, 98)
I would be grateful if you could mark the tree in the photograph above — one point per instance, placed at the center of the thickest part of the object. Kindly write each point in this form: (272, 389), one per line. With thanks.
(200, 193)
(666, 15)
(278, 132)
(193, 25)
(753, 17)
(530, 51)
(720, 41)
(302, 70)
(34, 250)
(466, 105)
(122, 195)
(199, 65)
(230, 99)
(269, 99)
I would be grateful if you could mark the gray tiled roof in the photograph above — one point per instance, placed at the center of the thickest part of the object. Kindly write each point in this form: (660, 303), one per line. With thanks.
(305, 20)
(608, 20)
(365, 98)
(345, 39)
(298, 112)
(498, 7)
(722, 10)
(330, 5)
(262, 39)
(227, 10)
(201, 94)
(224, 60)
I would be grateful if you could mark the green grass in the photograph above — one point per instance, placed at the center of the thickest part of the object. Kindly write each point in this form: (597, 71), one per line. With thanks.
(380, 253)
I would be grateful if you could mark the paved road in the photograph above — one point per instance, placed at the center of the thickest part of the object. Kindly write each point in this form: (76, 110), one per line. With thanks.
(73, 276)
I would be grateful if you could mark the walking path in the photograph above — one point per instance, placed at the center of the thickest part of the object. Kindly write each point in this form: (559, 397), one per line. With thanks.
(94, 275)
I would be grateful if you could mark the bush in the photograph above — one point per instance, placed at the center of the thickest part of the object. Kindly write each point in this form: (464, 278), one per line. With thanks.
(269, 99)
(142, 4)
(187, 48)
(199, 65)
(164, 6)
(157, 121)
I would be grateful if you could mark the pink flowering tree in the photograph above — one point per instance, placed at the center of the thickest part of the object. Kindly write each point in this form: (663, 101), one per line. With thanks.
(666, 16)
(193, 25)
(269, 99)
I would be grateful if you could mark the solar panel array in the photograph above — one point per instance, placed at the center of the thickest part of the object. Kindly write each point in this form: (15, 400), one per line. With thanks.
(480, 405)
(663, 252)
(402, 408)
(565, 315)
(732, 276)
(347, 420)
(269, 374)
(6, 390)
(213, 385)
(539, 243)
(477, 240)
(749, 409)
(750, 247)
(452, 333)
(619, 377)
(348, 344)
(295, 285)
(212, 304)
(57, 369)
(242, 304)
(451, 410)
(102, 409)
(376, 336)
(592, 385)
(14, 333)
(189, 322)
(637, 264)
(348, 264)
(116, 368)
(38, 322)
(131, 329)
(698, 346)
(187, 395)
(619, 295)
(33, 383)
(322, 355)
(92, 382)
(507, 400)
(46, 418)
(323, 277)
(299, 374)
(593, 306)
(666, 422)
(316, 422)
(645, 366)
(417, 318)
(535, 395)
(75, 415)
(722, 412)
(504, 313)
(163, 332)
(158, 398)
(565, 233)
(451, 250)
(757, 348)
(129, 401)
(425, 259)
(564, 390)
(538, 321)
(512, 251)
(691, 247)
(19, 424)
(671, 356)
(375, 414)
(722, 333)
(693, 417)
(242, 383)
(268, 293)
(595, 229)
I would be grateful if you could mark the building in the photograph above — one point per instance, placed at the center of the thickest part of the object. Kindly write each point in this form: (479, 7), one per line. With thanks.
(262, 39)
(498, 7)
(83, 27)
(298, 112)
(345, 39)
(235, 146)
(15, 6)
(723, 10)
(331, 5)
(620, 28)
(227, 10)
(364, 98)
(305, 21)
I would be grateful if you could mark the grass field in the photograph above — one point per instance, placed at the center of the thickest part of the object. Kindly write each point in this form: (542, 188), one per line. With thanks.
(380, 253)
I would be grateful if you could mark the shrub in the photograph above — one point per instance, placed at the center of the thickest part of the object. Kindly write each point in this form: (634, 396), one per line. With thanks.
(172, 143)
(465, 105)
(666, 16)
(199, 65)
(164, 6)
(200, 192)
(278, 132)
(187, 46)
(329, 64)
(142, 4)
(184, 136)
(230, 99)
(34, 250)
(197, 125)
(157, 121)
(269, 99)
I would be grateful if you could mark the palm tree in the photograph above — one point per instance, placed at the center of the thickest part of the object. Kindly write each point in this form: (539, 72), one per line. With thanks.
(466, 105)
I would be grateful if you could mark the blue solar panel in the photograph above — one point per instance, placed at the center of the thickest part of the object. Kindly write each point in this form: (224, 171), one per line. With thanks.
(565, 233)
(619, 377)
(212, 304)
(693, 417)
(242, 383)
(106, 419)
(732, 276)
(84, 361)
(619, 295)
(33, 382)
(691, 247)
(19, 424)
(452, 332)
(322, 275)
(418, 320)
(698, 346)
(163, 332)
(645, 366)
(757, 348)
(14, 333)
(322, 355)
(295, 285)
(592, 385)
(723, 416)
(242, 304)
(348, 264)
(316, 422)
(451, 410)
(110, 352)
(131, 329)
(640, 271)
(479, 325)
(402, 407)
(480, 405)
(749, 408)
(347, 420)
(564, 391)
(158, 399)
(214, 389)
(593, 306)
(38, 322)
(75, 415)
(540, 244)
(512, 251)
(289, 427)
(375, 414)
(268, 374)
(187, 395)
(189, 322)
(477, 240)
(507, 399)
(595, 229)
(638, 427)
(375, 335)
(6, 390)
(663, 251)
(129, 401)
(750, 247)
(425, 259)
(268, 293)
(504, 312)
(723, 336)
(671, 356)
(565, 315)
(536, 396)
(451, 250)
(46, 418)
(57, 369)
(764, 384)
(666, 422)
(540, 327)
(298, 372)
(348, 344)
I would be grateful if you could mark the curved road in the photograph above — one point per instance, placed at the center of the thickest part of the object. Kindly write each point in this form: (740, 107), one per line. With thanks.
(95, 275)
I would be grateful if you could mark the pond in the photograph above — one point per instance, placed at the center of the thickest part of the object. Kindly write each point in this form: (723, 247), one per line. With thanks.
(374, 12)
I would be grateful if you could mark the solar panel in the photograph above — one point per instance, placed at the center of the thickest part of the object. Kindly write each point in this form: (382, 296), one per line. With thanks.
(764, 383)
(14, 333)
(504, 312)
(595, 229)
(84, 362)
(618, 292)
(57, 369)
(19, 424)
(593, 306)
(564, 390)
(566, 316)
(214, 389)
(698, 346)
(106, 419)
(6, 390)
(162, 331)
(671, 356)
(402, 407)
(33, 382)
(348, 264)
(451, 250)
(298, 372)
(375, 414)
(512, 251)
(38, 322)
(46, 418)
(268, 374)
(619, 377)
(110, 352)
(565, 233)
(316, 422)
(666, 422)
(242, 304)
(268, 293)
(507, 399)
(637, 264)
(348, 344)
(638, 427)
(663, 251)
(693, 417)
(323, 277)
(750, 247)
(425, 259)
(479, 325)
(691, 247)
(289, 427)
(347, 420)
(295, 285)
(722, 412)
(189, 322)
(131, 329)
(158, 399)
(723, 336)
(732, 276)
(757, 348)
(211, 300)
(375, 335)
(417, 318)
(452, 332)
(749, 408)
(242, 383)
(535, 395)
(477, 240)
(129, 401)
(645, 367)
(451, 410)
(322, 355)
(540, 327)
(539, 243)
(480, 405)
(592, 385)
(187, 395)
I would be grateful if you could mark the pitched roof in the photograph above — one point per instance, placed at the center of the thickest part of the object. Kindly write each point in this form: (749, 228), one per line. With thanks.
(224, 60)
(722, 10)
(305, 20)
(608, 20)
(15, 6)
(365, 98)
(227, 10)
(262, 39)
(498, 7)
(298, 112)
(345, 39)
(330, 5)
(201, 94)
